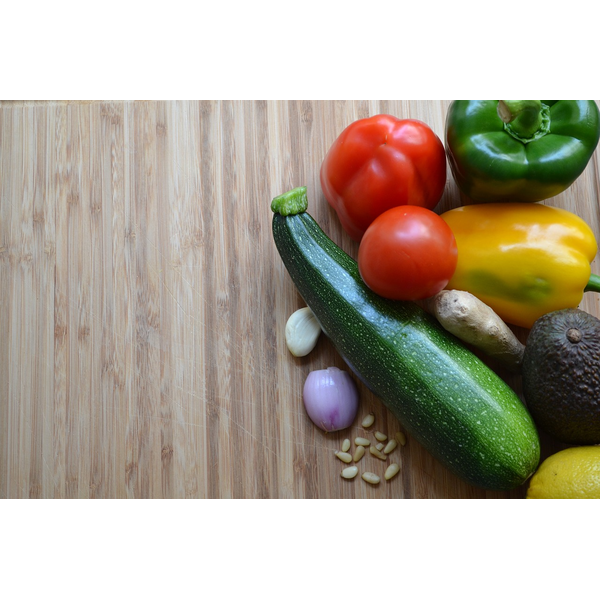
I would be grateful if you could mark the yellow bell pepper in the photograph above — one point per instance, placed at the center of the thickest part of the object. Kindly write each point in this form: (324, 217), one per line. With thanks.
(522, 260)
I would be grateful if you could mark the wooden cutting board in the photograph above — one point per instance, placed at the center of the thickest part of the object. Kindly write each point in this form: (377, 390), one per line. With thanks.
(143, 303)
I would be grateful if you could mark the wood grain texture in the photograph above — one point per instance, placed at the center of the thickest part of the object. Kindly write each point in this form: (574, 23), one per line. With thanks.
(143, 303)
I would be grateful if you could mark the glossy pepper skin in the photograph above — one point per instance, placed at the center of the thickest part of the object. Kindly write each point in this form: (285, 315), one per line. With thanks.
(538, 154)
(379, 163)
(522, 260)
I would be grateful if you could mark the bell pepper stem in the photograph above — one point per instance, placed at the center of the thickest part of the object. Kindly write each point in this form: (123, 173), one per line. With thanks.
(524, 116)
(593, 284)
(525, 120)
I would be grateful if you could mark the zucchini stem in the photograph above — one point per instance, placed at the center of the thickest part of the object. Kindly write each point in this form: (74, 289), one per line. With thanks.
(290, 203)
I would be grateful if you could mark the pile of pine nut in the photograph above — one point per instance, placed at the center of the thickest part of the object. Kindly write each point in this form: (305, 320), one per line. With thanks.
(381, 450)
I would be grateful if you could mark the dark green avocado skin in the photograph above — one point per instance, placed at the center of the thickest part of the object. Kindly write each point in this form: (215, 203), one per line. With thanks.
(561, 376)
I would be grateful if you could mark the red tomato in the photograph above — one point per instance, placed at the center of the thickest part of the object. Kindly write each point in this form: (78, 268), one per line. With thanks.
(382, 162)
(407, 253)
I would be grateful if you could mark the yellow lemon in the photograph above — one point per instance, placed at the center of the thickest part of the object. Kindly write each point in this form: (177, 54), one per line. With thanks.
(568, 474)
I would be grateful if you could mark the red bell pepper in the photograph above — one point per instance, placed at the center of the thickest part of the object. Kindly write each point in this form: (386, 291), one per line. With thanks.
(379, 163)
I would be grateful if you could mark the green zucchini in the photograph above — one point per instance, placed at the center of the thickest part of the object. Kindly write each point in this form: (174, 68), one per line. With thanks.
(466, 416)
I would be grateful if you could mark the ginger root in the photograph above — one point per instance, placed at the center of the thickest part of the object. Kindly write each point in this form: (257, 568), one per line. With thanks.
(475, 323)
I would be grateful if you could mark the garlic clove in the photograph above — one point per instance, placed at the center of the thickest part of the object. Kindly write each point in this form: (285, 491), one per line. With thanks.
(302, 331)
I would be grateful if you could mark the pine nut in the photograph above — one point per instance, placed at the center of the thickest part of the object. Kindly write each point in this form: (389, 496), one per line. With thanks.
(391, 471)
(379, 446)
(343, 456)
(359, 453)
(350, 472)
(377, 453)
(401, 438)
(381, 437)
(361, 441)
(345, 445)
(390, 447)
(371, 478)
(368, 420)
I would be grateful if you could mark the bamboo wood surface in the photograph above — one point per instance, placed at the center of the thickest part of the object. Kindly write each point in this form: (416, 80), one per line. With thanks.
(143, 303)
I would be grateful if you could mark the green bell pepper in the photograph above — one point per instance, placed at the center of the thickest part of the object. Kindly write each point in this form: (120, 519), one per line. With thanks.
(519, 150)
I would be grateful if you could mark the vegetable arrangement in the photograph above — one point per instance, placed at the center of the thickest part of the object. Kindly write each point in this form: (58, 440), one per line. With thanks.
(502, 258)
(445, 397)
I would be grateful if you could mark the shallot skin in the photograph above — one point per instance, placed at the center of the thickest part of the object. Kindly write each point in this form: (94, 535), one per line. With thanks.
(331, 399)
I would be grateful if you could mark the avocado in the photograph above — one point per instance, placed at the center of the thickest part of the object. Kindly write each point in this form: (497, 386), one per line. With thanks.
(561, 376)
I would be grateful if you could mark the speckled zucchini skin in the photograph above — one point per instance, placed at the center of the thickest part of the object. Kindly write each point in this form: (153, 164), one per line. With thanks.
(466, 416)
